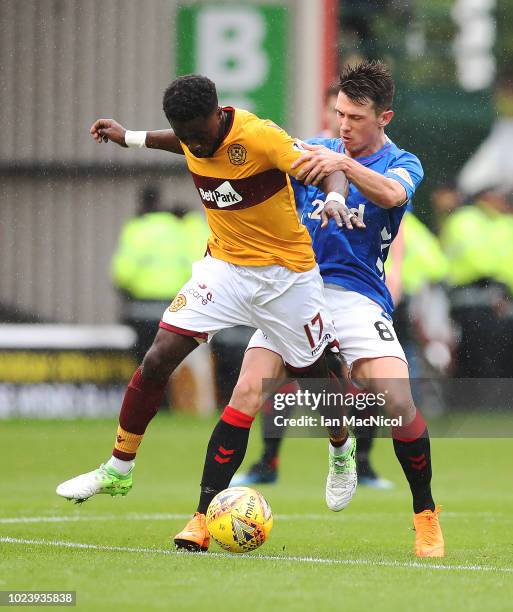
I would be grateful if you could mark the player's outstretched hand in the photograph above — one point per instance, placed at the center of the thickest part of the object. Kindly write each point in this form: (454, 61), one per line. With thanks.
(316, 165)
(342, 215)
(104, 130)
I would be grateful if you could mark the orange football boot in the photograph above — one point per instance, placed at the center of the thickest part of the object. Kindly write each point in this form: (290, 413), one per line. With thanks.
(429, 540)
(194, 537)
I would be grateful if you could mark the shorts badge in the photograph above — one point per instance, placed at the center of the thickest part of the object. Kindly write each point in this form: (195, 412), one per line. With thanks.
(179, 302)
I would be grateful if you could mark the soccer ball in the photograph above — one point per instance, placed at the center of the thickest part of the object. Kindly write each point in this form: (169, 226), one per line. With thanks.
(239, 519)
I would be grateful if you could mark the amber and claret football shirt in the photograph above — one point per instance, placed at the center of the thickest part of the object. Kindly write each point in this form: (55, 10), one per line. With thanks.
(248, 199)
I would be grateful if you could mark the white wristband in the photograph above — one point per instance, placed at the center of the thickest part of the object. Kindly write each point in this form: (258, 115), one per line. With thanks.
(135, 139)
(334, 195)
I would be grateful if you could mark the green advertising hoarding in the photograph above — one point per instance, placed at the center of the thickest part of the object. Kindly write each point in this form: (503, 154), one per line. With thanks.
(243, 48)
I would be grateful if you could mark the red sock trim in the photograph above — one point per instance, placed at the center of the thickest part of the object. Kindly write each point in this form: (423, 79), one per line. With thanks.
(236, 418)
(123, 456)
(273, 464)
(139, 382)
(411, 432)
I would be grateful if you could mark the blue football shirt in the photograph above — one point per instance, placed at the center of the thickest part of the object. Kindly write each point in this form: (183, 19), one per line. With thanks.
(354, 259)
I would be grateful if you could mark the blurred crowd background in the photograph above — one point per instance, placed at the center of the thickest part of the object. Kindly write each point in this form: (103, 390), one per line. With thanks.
(93, 237)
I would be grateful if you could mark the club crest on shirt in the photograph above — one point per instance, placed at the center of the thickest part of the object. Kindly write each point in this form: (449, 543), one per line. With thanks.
(179, 302)
(237, 154)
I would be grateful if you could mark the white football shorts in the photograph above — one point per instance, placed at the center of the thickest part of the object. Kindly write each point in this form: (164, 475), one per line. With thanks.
(289, 307)
(364, 330)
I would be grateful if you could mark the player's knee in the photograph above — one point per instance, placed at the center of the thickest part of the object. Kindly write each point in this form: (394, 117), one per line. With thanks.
(154, 364)
(247, 395)
(165, 354)
(400, 404)
(159, 362)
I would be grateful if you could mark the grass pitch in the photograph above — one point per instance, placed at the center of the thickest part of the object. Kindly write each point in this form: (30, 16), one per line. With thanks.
(116, 552)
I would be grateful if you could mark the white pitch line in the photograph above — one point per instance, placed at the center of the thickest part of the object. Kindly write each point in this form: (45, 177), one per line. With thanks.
(92, 517)
(137, 516)
(134, 516)
(293, 559)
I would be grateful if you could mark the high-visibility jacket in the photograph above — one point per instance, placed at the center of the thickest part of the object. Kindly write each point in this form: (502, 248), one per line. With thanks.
(423, 260)
(197, 231)
(471, 240)
(152, 259)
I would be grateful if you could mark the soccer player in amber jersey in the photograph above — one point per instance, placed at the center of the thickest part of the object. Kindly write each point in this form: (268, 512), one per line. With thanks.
(259, 270)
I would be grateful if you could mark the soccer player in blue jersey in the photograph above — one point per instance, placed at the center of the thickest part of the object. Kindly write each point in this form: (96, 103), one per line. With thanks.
(382, 179)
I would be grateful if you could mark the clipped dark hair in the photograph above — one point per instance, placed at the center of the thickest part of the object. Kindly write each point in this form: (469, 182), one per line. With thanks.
(369, 81)
(189, 97)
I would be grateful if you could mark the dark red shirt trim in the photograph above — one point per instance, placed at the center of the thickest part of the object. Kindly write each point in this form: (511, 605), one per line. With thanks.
(239, 193)
(183, 332)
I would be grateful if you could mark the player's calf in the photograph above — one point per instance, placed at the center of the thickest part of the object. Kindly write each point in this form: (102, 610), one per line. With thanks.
(141, 402)
(225, 452)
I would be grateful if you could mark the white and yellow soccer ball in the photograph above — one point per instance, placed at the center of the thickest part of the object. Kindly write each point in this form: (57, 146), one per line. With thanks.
(239, 519)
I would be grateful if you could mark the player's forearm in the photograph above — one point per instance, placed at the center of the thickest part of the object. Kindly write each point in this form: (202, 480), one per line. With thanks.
(165, 140)
(336, 181)
(380, 190)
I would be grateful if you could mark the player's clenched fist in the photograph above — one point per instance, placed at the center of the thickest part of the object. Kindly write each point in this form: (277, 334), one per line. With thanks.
(108, 129)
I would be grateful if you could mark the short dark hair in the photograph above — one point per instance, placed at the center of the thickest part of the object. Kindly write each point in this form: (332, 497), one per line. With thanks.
(189, 97)
(369, 81)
